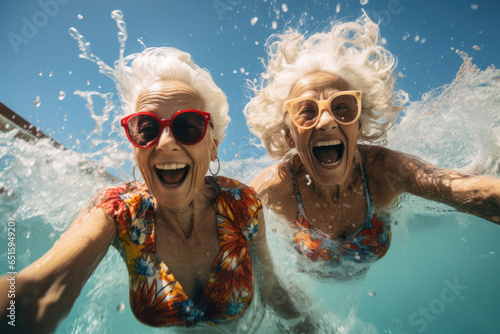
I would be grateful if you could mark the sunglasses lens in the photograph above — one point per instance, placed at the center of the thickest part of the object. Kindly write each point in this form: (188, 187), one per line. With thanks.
(143, 129)
(344, 108)
(189, 127)
(304, 112)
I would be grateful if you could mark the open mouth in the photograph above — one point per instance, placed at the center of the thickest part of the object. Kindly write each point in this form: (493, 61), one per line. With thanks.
(329, 153)
(172, 174)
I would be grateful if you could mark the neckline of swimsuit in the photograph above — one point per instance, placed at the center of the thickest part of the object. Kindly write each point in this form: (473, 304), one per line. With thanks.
(370, 208)
(215, 264)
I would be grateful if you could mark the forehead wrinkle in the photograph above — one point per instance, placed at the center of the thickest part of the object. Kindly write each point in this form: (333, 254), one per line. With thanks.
(169, 91)
(317, 83)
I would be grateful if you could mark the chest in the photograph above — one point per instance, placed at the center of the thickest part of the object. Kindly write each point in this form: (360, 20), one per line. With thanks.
(339, 217)
(190, 259)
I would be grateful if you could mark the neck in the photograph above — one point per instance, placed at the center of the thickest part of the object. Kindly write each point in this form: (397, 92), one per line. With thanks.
(334, 191)
(182, 218)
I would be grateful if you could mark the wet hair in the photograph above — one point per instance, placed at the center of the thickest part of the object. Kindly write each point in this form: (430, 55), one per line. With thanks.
(138, 72)
(349, 50)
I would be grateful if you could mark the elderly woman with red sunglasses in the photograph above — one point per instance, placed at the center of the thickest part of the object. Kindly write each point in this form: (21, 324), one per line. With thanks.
(319, 97)
(191, 243)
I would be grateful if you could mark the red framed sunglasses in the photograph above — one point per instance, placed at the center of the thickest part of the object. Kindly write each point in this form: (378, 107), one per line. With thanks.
(144, 129)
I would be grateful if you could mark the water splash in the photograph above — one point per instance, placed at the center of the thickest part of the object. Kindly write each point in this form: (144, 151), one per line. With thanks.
(454, 126)
(62, 95)
(37, 102)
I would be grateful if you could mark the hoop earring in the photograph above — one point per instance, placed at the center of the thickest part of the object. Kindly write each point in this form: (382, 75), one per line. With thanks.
(133, 174)
(218, 168)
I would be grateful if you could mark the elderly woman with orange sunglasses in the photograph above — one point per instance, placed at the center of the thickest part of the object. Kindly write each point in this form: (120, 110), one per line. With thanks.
(318, 98)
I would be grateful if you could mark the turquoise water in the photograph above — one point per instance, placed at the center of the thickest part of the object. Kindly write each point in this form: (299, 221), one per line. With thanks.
(439, 276)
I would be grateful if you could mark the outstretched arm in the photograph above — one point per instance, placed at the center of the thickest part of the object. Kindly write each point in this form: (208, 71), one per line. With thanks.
(47, 289)
(399, 173)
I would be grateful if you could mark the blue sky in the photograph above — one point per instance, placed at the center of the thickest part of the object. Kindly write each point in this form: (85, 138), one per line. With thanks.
(219, 35)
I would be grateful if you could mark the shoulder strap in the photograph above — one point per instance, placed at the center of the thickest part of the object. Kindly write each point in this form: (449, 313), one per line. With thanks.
(371, 208)
(300, 211)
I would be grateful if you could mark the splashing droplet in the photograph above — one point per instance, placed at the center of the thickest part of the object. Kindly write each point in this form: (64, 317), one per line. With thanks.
(40, 74)
(88, 82)
(473, 6)
(363, 2)
(70, 72)
(62, 95)
(284, 8)
(337, 9)
(476, 47)
(51, 74)
(372, 293)
(79, 16)
(253, 20)
(274, 25)
(37, 102)
(120, 307)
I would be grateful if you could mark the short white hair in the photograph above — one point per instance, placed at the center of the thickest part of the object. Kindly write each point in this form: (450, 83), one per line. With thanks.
(138, 72)
(350, 50)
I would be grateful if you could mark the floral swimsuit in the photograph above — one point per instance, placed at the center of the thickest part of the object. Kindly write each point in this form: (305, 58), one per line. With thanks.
(156, 297)
(369, 243)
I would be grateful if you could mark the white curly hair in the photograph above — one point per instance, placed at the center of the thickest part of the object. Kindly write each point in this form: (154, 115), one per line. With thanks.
(138, 72)
(351, 51)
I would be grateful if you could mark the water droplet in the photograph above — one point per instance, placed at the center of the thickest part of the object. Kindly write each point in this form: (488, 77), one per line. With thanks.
(423, 40)
(88, 82)
(363, 2)
(37, 102)
(62, 95)
(256, 42)
(120, 307)
(476, 47)
(372, 293)
(309, 181)
(384, 41)
(253, 20)
(28, 235)
(284, 8)
(40, 74)
(416, 39)
(337, 10)
(274, 25)
(234, 71)
(51, 74)
(473, 6)
(79, 16)
(242, 69)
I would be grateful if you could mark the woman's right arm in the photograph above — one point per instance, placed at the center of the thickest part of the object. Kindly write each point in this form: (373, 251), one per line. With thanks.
(46, 290)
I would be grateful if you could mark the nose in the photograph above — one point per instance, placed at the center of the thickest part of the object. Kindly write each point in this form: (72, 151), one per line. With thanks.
(167, 141)
(326, 120)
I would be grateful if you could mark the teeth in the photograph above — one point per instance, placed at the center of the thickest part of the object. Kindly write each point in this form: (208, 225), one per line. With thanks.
(171, 166)
(327, 143)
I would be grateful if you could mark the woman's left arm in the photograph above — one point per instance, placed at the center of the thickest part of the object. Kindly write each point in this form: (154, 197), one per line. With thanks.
(272, 291)
(399, 173)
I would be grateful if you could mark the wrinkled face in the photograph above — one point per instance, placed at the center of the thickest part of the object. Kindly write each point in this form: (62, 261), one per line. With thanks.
(173, 172)
(327, 150)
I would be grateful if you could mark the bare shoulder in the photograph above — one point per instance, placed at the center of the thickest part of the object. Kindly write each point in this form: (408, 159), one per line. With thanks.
(385, 169)
(270, 179)
(274, 187)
